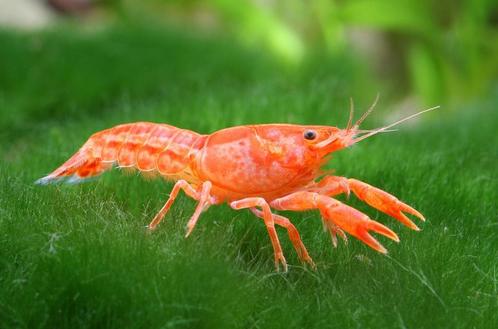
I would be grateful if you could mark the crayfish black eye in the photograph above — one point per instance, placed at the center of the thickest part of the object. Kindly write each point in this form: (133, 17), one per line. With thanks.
(310, 135)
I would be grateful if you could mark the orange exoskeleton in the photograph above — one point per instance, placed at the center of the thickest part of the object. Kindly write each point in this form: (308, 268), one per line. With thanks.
(258, 167)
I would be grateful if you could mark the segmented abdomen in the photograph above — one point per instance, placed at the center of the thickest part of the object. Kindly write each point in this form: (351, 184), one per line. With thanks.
(149, 147)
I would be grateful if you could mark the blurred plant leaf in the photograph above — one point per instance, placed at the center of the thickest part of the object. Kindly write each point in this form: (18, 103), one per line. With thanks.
(406, 16)
(258, 24)
(332, 27)
(447, 49)
(426, 75)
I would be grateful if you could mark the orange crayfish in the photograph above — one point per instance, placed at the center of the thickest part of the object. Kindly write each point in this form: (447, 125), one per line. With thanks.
(258, 167)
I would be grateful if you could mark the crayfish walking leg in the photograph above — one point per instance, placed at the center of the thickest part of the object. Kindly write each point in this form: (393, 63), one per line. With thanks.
(293, 236)
(202, 196)
(270, 225)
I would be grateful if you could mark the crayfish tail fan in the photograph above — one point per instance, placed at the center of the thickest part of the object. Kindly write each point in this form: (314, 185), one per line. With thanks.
(84, 164)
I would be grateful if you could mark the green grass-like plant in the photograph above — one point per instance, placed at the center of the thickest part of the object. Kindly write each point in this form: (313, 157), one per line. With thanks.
(79, 256)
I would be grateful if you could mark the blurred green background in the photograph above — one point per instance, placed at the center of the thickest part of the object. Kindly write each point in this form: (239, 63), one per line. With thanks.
(79, 256)
(415, 53)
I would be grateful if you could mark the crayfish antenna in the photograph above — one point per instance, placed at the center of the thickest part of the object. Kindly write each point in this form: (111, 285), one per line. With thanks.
(386, 128)
(364, 131)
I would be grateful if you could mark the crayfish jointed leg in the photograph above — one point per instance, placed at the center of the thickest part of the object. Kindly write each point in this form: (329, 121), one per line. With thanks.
(294, 236)
(202, 196)
(252, 202)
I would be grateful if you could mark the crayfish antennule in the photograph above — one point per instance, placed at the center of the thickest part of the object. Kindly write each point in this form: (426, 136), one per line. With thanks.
(367, 113)
(351, 113)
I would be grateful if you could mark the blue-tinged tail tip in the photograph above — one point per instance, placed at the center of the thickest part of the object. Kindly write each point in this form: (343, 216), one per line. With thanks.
(73, 179)
(42, 181)
(46, 180)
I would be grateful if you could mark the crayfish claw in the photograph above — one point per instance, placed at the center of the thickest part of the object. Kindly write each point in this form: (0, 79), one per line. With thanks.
(371, 241)
(403, 219)
(340, 217)
(385, 202)
(381, 229)
(406, 208)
